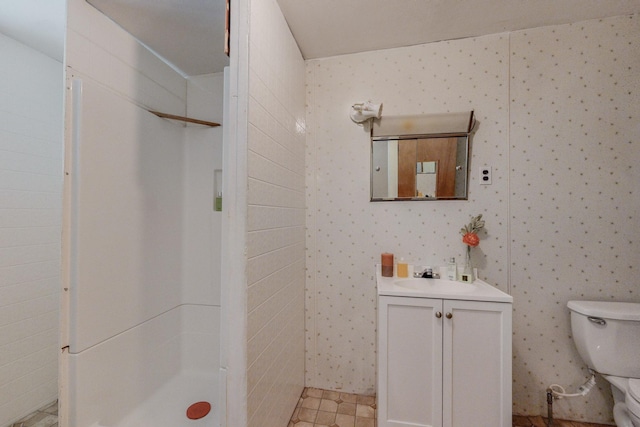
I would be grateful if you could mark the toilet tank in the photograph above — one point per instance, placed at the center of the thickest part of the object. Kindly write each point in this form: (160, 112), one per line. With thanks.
(607, 335)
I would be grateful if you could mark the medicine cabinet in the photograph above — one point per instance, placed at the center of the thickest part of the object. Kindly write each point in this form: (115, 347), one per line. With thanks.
(422, 157)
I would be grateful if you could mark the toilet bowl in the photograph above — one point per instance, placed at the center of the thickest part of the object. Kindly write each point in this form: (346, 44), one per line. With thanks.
(632, 401)
(626, 399)
(607, 336)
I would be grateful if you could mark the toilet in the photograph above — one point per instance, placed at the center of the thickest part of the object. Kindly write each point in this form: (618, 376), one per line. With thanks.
(607, 335)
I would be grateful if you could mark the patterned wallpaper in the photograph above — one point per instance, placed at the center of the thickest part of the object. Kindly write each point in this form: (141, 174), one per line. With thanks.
(347, 233)
(558, 112)
(575, 205)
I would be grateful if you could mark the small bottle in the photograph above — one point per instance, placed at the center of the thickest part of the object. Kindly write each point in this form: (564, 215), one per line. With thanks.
(218, 204)
(452, 269)
(402, 268)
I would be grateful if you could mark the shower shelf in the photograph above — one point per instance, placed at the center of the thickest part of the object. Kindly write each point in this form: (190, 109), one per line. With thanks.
(184, 119)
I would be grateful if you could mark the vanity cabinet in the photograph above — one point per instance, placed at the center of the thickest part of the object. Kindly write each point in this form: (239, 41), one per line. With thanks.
(443, 362)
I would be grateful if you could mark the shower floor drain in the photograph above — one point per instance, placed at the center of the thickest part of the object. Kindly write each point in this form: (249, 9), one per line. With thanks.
(198, 410)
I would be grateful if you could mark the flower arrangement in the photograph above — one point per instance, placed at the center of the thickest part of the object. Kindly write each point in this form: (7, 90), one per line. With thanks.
(470, 231)
(470, 238)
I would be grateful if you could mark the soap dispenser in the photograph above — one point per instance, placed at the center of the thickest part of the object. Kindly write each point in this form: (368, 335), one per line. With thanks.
(452, 269)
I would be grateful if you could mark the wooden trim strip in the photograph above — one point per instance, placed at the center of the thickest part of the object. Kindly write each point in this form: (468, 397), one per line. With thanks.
(184, 119)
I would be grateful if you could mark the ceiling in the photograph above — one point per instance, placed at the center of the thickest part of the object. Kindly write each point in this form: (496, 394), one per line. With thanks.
(39, 24)
(333, 27)
(190, 33)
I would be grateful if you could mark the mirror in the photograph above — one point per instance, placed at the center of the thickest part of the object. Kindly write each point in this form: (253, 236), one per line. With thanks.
(432, 168)
(421, 157)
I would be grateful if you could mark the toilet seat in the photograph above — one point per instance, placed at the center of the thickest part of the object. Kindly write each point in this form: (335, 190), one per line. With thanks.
(632, 399)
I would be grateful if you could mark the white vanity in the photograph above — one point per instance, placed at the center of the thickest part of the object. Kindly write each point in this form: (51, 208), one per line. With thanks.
(444, 353)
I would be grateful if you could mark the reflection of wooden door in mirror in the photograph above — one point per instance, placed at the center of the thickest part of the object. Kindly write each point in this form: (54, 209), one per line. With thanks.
(407, 168)
(443, 151)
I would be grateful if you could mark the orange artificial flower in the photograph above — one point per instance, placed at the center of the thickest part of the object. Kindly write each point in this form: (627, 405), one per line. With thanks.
(471, 239)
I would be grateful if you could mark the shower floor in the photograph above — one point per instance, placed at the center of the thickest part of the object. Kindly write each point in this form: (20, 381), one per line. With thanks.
(168, 406)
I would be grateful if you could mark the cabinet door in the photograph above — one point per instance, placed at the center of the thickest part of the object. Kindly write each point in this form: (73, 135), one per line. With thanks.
(476, 364)
(409, 362)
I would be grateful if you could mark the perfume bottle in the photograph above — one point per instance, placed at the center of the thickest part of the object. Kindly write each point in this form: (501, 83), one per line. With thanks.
(452, 269)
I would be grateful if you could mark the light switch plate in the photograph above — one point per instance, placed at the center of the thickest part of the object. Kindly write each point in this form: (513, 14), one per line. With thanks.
(485, 175)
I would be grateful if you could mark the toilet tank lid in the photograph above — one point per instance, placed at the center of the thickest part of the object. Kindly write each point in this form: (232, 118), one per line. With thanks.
(607, 309)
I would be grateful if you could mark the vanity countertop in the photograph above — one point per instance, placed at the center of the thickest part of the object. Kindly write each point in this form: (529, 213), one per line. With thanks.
(479, 290)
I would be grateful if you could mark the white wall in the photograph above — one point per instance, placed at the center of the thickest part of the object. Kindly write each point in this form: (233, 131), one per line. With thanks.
(275, 219)
(558, 110)
(31, 101)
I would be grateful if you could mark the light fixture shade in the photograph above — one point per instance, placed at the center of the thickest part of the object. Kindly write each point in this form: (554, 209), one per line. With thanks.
(425, 125)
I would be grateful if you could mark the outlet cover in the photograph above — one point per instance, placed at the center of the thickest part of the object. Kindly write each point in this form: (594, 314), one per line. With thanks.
(485, 175)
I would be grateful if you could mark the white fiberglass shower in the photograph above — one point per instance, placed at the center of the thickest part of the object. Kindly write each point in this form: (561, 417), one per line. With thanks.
(141, 237)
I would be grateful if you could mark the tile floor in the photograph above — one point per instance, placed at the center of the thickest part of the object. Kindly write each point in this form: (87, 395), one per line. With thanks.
(323, 408)
(317, 408)
(45, 417)
(521, 421)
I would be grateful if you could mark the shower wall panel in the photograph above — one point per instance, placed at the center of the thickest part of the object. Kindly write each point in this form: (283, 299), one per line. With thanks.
(202, 225)
(98, 47)
(138, 377)
(126, 215)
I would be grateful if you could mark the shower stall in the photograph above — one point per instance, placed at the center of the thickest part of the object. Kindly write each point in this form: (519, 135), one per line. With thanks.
(141, 236)
(143, 269)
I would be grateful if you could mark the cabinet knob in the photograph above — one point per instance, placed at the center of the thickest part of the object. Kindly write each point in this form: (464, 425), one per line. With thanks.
(449, 315)
(438, 314)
